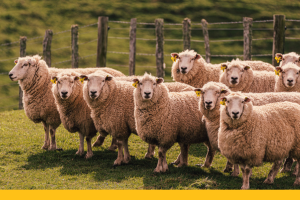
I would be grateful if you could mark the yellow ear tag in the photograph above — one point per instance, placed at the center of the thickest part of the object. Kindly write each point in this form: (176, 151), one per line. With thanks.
(277, 72)
(198, 93)
(277, 59)
(174, 58)
(16, 62)
(222, 102)
(53, 81)
(81, 80)
(135, 84)
(223, 68)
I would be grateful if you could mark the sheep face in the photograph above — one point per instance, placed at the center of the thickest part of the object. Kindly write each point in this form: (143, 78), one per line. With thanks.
(290, 74)
(65, 85)
(234, 72)
(186, 60)
(287, 58)
(147, 86)
(235, 105)
(95, 83)
(211, 95)
(24, 67)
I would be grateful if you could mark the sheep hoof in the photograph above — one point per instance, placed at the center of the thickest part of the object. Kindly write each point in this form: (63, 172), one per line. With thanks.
(148, 156)
(45, 147)
(235, 174)
(80, 153)
(296, 183)
(227, 170)
(52, 148)
(112, 148)
(87, 156)
(182, 165)
(268, 181)
(245, 187)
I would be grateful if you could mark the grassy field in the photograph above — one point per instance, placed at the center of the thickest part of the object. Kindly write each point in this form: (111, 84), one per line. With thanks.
(32, 17)
(24, 165)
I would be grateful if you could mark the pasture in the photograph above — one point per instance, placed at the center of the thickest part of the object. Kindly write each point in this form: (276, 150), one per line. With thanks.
(24, 165)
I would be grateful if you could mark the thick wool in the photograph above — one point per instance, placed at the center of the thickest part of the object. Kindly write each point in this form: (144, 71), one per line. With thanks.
(263, 133)
(74, 112)
(86, 71)
(280, 86)
(251, 81)
(168, 118)
(289, 57)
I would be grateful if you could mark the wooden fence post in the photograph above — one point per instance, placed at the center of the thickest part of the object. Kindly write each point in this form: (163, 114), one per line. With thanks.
(278, 36)
(247, 23)
(47, 46)
(22, 54)
(102, 41)
(186, 24)
(206, 40)
(132, 46)
(74, 41)
(159, 30)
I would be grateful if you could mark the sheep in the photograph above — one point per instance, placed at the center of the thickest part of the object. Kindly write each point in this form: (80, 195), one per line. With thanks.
(240, 77)
(288, 79)
(190, 68)
(249, 135)
(286, 58)
(163, 118)
(74, 113)
(34, 78)
(211, 95)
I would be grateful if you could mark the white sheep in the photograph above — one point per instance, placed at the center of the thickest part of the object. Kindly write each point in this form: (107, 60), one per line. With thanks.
(250, 135)
(190, 68)
(163, 118)
(74, 113)
(240, 77)
(34, 78)
(286, 58)
(288, 79)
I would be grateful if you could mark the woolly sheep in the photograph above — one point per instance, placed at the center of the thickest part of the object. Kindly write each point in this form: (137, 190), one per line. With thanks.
(240, 77)
(211, 95)
(190, 68)
(288, 80)
(34, 77)
(289, 57)
(163, 118)
(249, 135)
(74, 113)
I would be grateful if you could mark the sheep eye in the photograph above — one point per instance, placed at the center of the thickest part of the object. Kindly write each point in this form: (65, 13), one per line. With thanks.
(58, 82)
(282, 58)
(103, 81)
(297, 72)
(141, 83)
(243, 101)
(154, 83)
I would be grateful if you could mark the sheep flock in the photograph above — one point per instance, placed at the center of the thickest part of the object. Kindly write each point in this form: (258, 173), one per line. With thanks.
(249, 111)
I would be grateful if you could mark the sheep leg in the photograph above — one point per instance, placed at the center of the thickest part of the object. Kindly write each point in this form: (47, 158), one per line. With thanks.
(297, 181)
(114, 144)
(81, 145)
(53, 141)
(162, 165)
(209, 157)
(236, 170)
(165, 164)
(177, 161)
(228, 167)
(89, 153)
(126, 151)
(296, 169)
(273, 172)
(47, 140)
(150, 152)
(99, 141)
(246, 170)
(120, 157)
(287, 165)
(184, 149)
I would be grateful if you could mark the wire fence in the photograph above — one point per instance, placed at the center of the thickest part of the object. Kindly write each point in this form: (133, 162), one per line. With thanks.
(116, 33)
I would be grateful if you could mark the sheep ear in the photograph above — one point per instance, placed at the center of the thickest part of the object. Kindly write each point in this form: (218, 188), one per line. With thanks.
(223, 66)
(247, 99)
(16, 61)
(108, 78)
(279, 69)
(53, 79)
(84, 77)
(246, 67)
(159, 80)
(175, 55)
(135, 80)
(76, 78)
(198, 91)
(279, 55)
(198, 56)
(223, 100)
(223, 91)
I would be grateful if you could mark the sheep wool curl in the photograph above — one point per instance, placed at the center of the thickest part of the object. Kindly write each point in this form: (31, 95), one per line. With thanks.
(259, 133)
(163, 118)
(288, 79)
(240, 77)
(111, 102)
(211, 114)
(74, 112)
(113, 72)
(286, 58)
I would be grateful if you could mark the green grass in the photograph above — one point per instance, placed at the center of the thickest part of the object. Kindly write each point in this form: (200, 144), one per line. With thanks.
(32, 17)
(24, 165)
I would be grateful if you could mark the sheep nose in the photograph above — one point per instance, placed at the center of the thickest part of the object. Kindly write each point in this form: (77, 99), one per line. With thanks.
(183, 68)
(64, 93)
(290, 80)
(208, 102)
(235, 113)
(93, 92)
(147, 94)
(10, 75)
(234, 78)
